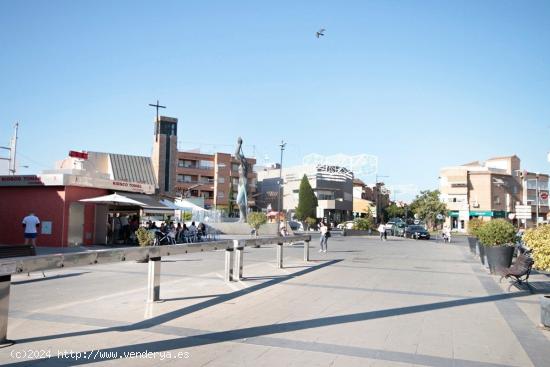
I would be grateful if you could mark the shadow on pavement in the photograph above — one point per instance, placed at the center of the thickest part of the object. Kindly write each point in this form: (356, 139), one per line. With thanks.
(160, 319)
(53, 277)
(256, 331)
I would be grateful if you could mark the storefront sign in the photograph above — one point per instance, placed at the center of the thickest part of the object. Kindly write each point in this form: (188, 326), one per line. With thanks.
(30, 180)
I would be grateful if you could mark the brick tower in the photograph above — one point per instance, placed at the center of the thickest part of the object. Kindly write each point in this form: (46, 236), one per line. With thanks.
(165, 154)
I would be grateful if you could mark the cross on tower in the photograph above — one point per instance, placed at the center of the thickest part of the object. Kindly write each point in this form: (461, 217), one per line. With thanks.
(157, 122)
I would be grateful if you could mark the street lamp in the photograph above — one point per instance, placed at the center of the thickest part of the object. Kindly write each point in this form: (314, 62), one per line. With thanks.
(280, 205)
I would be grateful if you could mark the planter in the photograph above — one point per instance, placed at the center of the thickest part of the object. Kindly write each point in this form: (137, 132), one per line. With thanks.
(499, 257)
(481, 251)
(545, 311)
(472, 242)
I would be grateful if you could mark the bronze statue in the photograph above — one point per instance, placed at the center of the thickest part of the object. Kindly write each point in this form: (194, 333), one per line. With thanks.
(242, 200)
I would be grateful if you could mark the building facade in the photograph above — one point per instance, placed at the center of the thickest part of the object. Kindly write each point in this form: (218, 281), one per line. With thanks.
(214, 177)
(492, 189)
(332, 185)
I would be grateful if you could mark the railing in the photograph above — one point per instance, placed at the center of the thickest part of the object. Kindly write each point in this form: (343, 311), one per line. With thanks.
(234, 262)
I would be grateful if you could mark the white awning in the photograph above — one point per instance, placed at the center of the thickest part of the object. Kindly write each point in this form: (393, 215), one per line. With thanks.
(148, 204)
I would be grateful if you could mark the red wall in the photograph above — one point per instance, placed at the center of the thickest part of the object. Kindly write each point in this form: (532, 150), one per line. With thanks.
(48, 203)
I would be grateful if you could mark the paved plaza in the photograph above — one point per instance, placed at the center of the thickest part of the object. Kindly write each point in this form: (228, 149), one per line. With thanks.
(364, 303)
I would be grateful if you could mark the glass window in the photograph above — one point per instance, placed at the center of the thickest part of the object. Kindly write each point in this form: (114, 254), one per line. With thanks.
(187, 178)
(235, 181)
(188, 164)
(221, 194)
(180, 178)
(221, 179)
(234, 167)
(206, 164)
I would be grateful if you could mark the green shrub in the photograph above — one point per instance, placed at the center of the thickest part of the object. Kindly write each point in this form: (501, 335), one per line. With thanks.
(363, 224)
(145, 237)
(474, 226)
(311, 222)
(497, 232)
(187, 216)
(256, 219)
(538, 239)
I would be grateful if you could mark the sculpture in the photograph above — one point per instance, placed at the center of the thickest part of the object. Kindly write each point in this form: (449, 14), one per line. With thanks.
(242, 200)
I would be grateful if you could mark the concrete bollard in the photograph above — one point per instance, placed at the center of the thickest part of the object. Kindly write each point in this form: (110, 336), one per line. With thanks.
(153, 280)
(306, 250)
(239, 257)
(228, 274)
(279, 255)
(5, 282)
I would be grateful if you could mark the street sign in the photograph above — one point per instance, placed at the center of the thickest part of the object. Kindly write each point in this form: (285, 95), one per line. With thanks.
(524, 211)
(543, 196)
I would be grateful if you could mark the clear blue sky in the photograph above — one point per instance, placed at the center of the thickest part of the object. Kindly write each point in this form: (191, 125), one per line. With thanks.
(421, 84)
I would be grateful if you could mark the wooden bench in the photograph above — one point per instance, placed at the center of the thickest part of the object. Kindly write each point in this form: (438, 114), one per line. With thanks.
(520, 269)
(7, 251)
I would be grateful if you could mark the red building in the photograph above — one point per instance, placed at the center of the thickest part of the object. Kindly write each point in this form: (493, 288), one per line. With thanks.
(55, 198)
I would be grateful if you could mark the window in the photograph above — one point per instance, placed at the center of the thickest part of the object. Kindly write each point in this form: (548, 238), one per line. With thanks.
(195, 193)
(206, 164)
(221, 194)
(221, 179)
(180, 178)
(187, 163)
(206, 179)
(234, 167)
(496, 200)
(325, 195)
(187, 178)
(235, 181)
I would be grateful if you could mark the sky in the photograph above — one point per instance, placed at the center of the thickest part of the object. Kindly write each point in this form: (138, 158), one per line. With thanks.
(419, 84)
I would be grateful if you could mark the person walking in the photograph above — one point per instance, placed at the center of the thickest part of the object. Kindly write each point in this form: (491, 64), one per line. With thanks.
(324, 237)
(382, 230)
(30, 224)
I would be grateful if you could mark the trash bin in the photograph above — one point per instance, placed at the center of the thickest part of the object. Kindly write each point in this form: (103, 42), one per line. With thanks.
(545, 311)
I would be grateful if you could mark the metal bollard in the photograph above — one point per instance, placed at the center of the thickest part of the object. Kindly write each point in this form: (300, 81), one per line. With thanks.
(153, 280)
(279, 255)
(228, 275)
(239, 256)
(306, 250)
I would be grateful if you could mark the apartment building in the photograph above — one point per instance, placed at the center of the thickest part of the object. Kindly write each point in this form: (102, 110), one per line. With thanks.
(332, 185)
(215, 177)
(492, 189)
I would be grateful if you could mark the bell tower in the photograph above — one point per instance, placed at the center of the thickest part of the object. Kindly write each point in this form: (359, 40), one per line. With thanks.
(165, 153)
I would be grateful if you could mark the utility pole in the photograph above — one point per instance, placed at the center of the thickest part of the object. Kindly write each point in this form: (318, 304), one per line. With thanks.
(157, 122)
(12, 165)
(280, 206)
(537, 193)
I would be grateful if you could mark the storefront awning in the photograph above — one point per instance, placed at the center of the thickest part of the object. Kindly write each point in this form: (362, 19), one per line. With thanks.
(148, 204)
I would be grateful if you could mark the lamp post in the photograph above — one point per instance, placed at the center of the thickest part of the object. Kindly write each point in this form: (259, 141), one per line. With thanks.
(280, 196)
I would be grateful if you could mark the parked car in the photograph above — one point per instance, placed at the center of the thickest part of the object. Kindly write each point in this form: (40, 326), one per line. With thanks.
(295, 226)
(396, 228)
(417, 232)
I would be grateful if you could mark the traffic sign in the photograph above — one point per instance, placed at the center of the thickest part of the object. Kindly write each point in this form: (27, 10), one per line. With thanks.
(523, 211)
(543, 196)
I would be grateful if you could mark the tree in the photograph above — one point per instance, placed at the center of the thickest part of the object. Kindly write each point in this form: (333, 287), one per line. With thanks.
(307, 201)
(256, 219)
(427, 206)
(394, 211)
